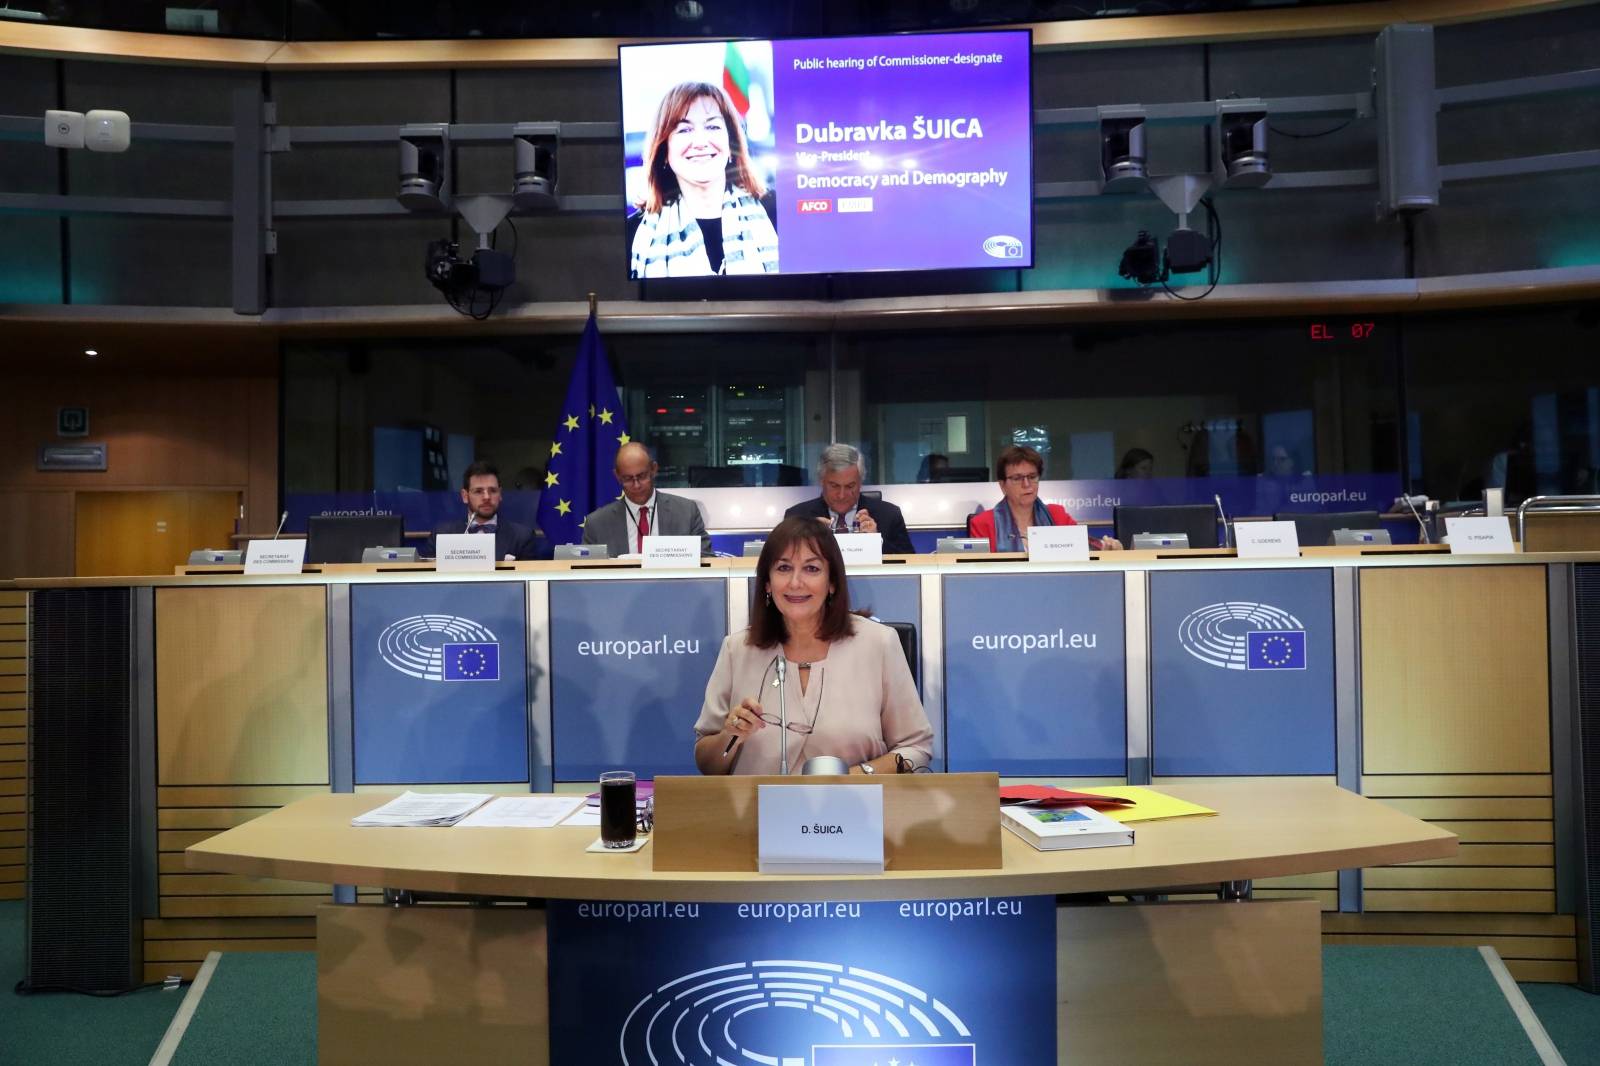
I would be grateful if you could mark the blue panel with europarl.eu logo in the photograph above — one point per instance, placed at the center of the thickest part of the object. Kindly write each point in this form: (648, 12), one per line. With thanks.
(439, 683)
(1276, 650)
(1241, 672)
(892, 1055)
(1036, 674)
(628, 665)
(941, 982)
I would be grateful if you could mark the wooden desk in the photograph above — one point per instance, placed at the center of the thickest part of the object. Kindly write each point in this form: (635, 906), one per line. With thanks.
(415, 984)
(1266, 828)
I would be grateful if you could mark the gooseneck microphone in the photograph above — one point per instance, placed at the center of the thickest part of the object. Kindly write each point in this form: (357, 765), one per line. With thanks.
(783, 718)
(1422, 527)
(1227, 529)
(283, 518)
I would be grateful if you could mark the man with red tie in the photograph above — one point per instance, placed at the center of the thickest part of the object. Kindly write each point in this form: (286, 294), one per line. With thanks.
(622, 525)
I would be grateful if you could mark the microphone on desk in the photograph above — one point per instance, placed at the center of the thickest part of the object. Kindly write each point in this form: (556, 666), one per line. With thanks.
(1422, 526)
(283, 518)
(1227, 535)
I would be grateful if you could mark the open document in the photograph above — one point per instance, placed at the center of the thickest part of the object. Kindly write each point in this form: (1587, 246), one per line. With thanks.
(524, 812)
(424, 808)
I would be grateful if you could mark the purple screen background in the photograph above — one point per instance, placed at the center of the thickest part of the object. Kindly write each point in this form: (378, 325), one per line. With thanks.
(909, 227)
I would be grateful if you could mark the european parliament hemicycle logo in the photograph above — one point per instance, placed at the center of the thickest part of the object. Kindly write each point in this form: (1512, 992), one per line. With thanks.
(1238, 635)
(715, 1015)
(441, 647)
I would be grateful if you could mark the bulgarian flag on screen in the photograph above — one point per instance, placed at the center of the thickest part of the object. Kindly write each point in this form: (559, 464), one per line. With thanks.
(736, 79)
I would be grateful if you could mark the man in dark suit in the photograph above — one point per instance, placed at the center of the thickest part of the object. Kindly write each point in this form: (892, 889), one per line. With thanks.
(480, 491)
(622, 525)
(843, 509)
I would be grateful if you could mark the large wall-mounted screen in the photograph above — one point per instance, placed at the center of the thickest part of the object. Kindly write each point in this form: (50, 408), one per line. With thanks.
(828, 155)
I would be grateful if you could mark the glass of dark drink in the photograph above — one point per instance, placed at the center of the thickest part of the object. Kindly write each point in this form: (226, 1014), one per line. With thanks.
(617, 809)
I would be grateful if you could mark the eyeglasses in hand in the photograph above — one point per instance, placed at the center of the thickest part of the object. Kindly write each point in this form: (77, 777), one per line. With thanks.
(794, 727)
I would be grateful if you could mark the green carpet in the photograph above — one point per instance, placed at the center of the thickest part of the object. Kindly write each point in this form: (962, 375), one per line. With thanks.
(1417, 1007)
(1572, 1018)
(260, 1009)
(63, 1029)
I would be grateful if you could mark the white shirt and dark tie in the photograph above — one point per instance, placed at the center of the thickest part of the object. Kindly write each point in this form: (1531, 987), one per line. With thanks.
(641, 520)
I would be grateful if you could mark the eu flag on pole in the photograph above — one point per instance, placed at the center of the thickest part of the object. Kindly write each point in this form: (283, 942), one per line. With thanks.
(1276, 649)
(583, 451)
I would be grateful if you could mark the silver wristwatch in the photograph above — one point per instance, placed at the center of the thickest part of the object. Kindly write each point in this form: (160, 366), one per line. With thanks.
(866, 768)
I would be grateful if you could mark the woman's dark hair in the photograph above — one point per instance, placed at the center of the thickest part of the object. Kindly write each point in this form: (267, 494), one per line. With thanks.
(1133, 458)
(767, 627)
(1013, 454)
(661, 184)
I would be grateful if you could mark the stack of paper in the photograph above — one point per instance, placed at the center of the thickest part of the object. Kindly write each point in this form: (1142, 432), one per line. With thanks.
(424, 808)
(521, 812)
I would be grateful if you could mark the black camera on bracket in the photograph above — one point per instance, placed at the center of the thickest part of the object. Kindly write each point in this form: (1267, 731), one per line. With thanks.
(487, 273)
(1141, 261)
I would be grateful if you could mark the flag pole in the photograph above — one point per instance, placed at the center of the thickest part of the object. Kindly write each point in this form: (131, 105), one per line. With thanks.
(591, 304)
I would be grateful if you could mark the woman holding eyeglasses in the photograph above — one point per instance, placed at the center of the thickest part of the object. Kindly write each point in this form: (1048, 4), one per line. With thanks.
(1018, 469)
(848, 689)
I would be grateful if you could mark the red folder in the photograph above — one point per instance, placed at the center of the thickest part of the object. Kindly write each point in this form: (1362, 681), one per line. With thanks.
(1050, 796)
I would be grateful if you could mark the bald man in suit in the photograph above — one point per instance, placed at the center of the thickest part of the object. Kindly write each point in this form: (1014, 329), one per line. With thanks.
(622, 525)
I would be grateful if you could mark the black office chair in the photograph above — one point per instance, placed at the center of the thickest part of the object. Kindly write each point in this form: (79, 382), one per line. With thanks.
(908, 644)
(1198, 520)
(1317, 529)
(716, 477)
(342, 538)
(961, 475)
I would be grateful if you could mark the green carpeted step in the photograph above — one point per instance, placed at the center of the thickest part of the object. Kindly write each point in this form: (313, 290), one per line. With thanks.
(1572, 1018)
(1417, 1007)
(63, 1029)
(260, 1009)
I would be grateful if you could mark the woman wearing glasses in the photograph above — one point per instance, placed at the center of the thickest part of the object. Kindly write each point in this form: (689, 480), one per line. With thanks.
(847, 687)
(1018, 470)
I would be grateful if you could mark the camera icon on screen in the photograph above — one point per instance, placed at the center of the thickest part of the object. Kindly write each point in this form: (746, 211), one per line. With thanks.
(1001, 246)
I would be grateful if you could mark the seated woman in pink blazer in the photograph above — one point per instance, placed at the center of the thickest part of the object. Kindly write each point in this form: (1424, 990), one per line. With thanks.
(1018, 471)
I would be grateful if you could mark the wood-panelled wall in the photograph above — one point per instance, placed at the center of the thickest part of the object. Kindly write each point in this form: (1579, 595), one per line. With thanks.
(241, 729)
(161, 432)
(13, 743)
(1455, 705)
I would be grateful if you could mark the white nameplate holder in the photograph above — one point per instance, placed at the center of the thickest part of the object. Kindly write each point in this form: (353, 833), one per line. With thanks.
(1058, 544)
(670, 553)
(1479, 536)
(463, 552)
(274, 556)
(1266, 540)
(860, 549)
(819, 829)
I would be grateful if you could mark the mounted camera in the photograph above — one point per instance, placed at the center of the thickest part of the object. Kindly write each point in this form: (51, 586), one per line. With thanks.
(1141, 261)
(473, 286)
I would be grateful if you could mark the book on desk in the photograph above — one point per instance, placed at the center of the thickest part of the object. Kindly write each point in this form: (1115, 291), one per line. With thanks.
(1059, 828)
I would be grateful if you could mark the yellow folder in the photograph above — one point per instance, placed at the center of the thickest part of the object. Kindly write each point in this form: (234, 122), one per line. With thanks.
(1148, 804)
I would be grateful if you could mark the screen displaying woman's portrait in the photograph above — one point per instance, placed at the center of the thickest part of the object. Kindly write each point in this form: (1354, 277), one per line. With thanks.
(700, 204)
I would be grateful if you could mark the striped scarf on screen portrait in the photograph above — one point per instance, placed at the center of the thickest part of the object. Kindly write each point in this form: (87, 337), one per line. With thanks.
(669, 244)
(1006, 536)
